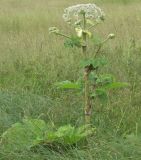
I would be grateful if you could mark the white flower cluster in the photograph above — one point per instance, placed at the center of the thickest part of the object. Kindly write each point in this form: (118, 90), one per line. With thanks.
(91, 11)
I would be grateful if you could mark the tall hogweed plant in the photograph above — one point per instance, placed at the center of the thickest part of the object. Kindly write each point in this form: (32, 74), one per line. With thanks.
(30, 133)
(83, 18)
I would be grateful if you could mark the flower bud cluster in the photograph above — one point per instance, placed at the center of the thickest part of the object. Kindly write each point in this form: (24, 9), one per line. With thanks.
(53, 30)
(111, 36)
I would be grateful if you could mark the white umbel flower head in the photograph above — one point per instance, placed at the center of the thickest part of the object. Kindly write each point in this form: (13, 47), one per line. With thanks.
(91, 11)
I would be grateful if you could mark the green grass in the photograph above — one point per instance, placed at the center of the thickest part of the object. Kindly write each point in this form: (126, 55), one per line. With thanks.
(31, 60)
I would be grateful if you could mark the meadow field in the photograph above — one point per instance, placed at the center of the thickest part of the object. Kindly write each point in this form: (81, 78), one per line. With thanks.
(32, 60)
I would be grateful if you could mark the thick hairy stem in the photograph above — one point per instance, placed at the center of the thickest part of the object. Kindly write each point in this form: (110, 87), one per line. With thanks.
(84, 36)
(100, 46)
(63, 35)
(84, 45)
(87, 107)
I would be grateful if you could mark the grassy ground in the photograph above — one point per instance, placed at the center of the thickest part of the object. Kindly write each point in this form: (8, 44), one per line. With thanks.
(31, 60)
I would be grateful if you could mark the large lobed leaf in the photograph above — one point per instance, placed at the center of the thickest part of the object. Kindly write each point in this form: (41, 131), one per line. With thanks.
(68, 85)
(116, 85)
(73, 41)
(22, 135)
(34, 132)
(95, 63)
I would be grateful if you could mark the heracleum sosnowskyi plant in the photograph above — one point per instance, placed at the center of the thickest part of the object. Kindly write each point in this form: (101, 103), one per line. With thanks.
(83, 18)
